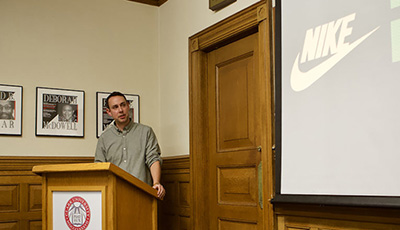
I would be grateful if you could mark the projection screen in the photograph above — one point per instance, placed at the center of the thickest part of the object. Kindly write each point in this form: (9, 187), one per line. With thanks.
(338, 97)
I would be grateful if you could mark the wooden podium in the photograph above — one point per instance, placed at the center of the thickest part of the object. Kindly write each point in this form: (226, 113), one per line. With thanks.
(95, 196)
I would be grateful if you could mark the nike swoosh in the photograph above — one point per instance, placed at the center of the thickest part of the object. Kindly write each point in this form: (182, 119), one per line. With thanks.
(302, 80)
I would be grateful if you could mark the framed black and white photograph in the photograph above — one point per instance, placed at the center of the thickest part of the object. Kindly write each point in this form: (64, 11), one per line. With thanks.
(103, 119)
(60, 112)
(10, 110)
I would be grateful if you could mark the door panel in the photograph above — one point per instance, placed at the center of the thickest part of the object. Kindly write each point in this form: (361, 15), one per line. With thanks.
(236, 186)
(233, 225)
(234, 134)
(233, 103)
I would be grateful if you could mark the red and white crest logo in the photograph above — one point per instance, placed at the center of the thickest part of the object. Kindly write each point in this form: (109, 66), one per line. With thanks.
(77, 213)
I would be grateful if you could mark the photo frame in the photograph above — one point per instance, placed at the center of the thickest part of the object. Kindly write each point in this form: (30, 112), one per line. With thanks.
(216, 5)
(59, 112)
(10, 110)
(103, 119)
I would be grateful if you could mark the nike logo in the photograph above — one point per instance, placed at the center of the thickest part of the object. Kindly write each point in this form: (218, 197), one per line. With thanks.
(302, 80)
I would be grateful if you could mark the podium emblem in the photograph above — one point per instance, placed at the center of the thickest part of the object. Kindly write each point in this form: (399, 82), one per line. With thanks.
(77, 213)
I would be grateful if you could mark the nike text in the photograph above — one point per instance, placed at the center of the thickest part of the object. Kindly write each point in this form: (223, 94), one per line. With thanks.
(319, 41)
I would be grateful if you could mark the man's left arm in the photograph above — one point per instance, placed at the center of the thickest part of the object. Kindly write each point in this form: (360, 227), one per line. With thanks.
(155, 170)
(154, 161)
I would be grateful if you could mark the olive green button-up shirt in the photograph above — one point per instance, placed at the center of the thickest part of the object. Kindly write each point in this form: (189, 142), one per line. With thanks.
(134, 149)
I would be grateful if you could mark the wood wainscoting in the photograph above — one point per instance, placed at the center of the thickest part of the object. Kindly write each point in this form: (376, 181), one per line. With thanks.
(21, 190)
(174, 210)
(321, 217)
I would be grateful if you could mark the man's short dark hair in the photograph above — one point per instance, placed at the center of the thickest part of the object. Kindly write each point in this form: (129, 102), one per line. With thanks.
(113, 94)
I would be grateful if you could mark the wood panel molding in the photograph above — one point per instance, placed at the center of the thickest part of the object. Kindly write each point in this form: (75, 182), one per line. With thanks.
(175, 163)
(244, 20)
(21, 190)
(18, 163)
(194, 45)
(316, 217)
(175, 209)
(262, 13)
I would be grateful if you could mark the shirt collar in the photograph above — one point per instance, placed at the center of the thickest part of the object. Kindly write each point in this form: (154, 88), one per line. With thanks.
(126, 128)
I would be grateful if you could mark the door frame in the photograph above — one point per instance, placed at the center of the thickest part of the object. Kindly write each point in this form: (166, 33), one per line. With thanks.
(256, 17)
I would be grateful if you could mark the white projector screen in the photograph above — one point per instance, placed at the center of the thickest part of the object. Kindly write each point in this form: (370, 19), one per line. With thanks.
(338, 97)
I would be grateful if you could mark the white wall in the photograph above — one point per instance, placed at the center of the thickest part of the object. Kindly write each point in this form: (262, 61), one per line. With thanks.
(90, 45)
(180, 19)
(102, 45)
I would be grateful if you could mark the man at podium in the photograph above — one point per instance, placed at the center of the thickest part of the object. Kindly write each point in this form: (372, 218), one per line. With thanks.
(129, 145)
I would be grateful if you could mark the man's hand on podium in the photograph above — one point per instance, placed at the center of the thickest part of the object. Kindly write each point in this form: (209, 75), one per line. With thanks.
(160, 190)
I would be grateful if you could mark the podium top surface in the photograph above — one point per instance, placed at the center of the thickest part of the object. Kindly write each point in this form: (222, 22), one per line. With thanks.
(95, 167)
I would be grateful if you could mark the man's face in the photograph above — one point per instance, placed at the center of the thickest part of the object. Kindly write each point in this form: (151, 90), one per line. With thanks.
(119, 109)
(6, 110)
(67, 112)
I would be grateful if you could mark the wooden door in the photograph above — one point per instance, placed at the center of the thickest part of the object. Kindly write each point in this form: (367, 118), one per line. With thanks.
(234, 135)
(231, 123)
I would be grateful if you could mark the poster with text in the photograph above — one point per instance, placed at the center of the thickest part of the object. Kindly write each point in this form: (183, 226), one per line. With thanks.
(59, 112)
(103, 119)
(10, 110)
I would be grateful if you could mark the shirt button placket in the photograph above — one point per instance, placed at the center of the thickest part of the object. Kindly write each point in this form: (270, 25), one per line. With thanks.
(124, 153)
